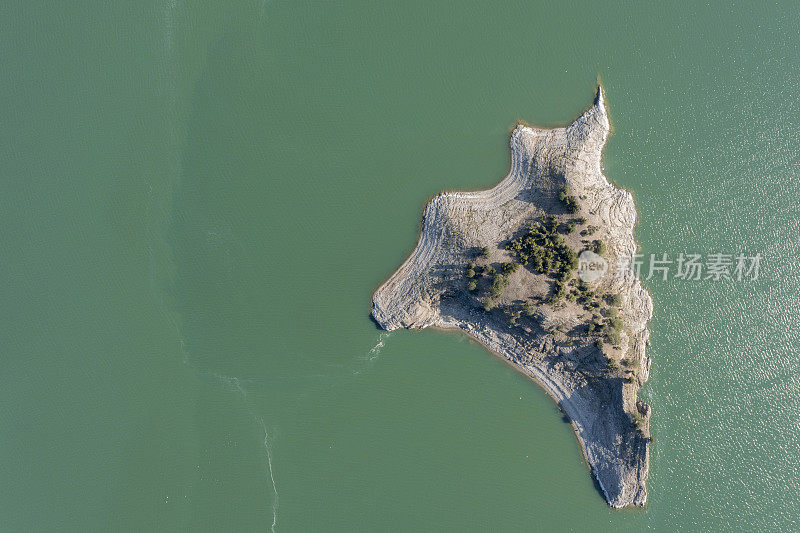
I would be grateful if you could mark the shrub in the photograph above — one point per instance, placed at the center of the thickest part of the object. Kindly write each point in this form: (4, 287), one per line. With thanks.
(559, 291)
(529, 308)
(599, 247)
(472, 286)
(489, 305)
(470, 273)
(544, 250)
(490, 271)
(615, 300)
(569, 201)
(572, 204)
(613, 330)
(499, 284)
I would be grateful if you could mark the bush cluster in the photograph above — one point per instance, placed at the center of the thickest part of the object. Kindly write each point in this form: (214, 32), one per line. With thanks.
(585, 296)
(499, 284)
(613, 330)
(569, 201)
(559, 291)
(544, 250)
(599, 247)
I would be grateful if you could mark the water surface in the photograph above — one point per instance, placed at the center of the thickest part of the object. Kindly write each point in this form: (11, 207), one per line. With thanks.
(198, 201)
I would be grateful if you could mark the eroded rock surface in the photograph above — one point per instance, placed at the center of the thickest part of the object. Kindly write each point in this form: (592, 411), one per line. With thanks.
(595, 382)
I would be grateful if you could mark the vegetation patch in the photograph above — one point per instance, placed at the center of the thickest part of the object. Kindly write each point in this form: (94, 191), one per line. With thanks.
(570, 202)
(543, 249)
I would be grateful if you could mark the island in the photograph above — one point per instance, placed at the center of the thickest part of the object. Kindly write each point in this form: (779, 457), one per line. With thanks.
(536, 270)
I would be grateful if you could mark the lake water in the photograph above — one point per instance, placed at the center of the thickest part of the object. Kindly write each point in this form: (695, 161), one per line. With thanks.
(198, 200)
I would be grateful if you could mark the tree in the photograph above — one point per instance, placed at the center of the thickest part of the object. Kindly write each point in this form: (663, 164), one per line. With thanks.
(472, 286)
(613, 330)
(559, 290)
(484, 252)
(599, 247)
(499, 284)
(509, 268)
(489, 305)
(544, 250)
(529, 308)
(569, 201)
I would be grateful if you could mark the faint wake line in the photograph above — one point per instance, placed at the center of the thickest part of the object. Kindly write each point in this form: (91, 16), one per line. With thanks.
(376, 350)
(271, 475)
(366, 360)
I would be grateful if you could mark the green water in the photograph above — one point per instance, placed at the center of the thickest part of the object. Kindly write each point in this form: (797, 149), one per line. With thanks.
(198, 200)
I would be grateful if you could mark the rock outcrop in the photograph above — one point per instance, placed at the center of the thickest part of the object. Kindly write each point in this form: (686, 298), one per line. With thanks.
(587, 381)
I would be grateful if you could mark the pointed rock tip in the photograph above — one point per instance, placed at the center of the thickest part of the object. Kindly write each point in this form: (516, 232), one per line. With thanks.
(599, 99)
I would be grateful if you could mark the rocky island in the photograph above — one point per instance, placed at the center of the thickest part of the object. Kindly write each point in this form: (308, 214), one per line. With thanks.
(533, 269)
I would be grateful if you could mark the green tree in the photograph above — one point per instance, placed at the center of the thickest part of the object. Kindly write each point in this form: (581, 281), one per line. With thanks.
(529, 308)
(599, 247)
(499, 284)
